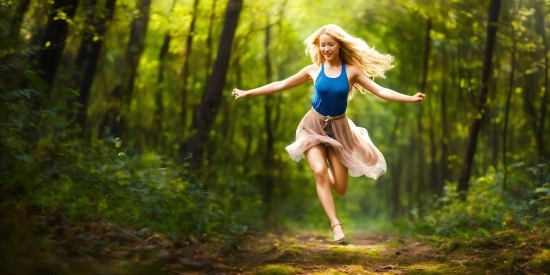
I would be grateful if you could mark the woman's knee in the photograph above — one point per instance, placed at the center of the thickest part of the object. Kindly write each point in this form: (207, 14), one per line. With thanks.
(320, 172)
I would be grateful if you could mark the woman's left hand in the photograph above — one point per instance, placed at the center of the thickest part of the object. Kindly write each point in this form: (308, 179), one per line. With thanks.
(418, 97)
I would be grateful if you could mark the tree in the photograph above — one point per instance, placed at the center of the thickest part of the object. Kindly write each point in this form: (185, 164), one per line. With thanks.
(17, 19)
(87, 60)
(494, 10)
(185, 70)
(213, 92)
(159, 106)
(54, 40)
(121, 96)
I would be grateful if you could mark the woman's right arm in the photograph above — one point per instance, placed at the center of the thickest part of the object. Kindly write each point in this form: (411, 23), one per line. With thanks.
(299, 78)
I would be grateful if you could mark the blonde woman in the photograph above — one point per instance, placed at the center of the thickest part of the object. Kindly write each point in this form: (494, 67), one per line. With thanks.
(333, 146)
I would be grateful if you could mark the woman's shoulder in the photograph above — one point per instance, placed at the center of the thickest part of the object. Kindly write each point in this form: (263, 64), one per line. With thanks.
(312, 66)
(352, 69)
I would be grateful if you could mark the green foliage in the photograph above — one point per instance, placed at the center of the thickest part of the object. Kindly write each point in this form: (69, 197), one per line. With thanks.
(99, 180)
(488, 207)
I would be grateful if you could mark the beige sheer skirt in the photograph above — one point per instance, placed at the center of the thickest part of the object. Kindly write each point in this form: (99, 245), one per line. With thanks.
(352, 144)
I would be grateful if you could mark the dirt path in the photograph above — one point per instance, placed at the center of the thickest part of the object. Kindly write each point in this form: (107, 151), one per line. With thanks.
(374, 253)
(63, 246)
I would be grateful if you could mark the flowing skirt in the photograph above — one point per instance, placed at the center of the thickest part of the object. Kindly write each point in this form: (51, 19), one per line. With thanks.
(352, 144)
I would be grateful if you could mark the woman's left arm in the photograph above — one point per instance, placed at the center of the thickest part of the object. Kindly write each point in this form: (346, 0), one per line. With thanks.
(385, 93)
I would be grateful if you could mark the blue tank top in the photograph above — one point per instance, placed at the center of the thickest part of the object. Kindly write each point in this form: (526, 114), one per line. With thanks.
(330, 97)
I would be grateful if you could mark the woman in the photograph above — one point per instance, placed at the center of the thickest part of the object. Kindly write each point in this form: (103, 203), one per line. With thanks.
(333, 146)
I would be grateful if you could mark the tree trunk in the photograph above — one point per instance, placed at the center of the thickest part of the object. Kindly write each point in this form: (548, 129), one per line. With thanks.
(54, 40)
(185, 70)
(159, 105)
(15, 25)
(268, 162)
(113, 122)
(444, 124)
(541, 30)
(204, 115)
(507, 108)
(423, 84)
(86, 63)
(209, 46)
(463, 183)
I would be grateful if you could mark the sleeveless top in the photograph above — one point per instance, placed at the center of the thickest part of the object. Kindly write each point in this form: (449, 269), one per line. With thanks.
(330, 97)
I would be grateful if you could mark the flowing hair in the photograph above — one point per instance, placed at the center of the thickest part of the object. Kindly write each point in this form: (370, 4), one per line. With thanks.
(353, 50)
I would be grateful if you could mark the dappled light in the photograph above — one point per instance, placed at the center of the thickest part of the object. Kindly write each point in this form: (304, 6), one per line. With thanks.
(131, 142)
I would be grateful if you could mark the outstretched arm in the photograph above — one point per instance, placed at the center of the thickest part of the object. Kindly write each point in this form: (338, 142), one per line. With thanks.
(300, 78)
(385, 93)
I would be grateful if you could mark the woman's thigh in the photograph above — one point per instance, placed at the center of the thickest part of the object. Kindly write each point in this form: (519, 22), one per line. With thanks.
(339, 172)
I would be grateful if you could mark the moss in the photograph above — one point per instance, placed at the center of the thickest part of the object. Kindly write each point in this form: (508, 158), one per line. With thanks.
(541, 261)
(392, 244)
(330, 272)
(437, 268)
(277, 270)
(346, 255)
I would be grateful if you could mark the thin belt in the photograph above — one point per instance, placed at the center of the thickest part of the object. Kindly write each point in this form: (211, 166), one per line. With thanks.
(327, 119)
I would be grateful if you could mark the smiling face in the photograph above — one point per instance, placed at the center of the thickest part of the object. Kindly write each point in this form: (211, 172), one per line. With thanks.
(329, 47)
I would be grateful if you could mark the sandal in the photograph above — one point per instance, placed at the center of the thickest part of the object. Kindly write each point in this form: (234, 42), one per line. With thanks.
(332, 229)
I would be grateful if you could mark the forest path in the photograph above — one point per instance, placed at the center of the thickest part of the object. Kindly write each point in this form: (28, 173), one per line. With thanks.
(377, 253)
(64, 246)
(311, 253)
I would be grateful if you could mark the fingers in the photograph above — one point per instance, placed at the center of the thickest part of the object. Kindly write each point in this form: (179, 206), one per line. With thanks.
(235, 93)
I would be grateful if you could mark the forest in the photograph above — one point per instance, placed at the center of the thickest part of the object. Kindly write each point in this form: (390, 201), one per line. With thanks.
(123, 151)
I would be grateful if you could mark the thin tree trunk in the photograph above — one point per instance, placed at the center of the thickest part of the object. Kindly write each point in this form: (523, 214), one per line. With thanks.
(86, 63)
(17, 19)
(511, 80)
(423, 85)
(54, 40)
(269, 160)
(211, 99)
(463, 183)
(444, 123)
(159, 105)
(113, 122)
(209, 44)
(541, 29)
(185, 70)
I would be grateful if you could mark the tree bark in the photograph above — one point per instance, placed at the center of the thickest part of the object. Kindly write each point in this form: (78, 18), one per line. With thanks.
(463, 183)
(113, 122)
(15, 25)
(185, 70)
(209, 46)
(159, 105)
(53, 41)
(268, 162)
(86, 63)
(204, 115)
(444, 161)
(541, 30)
(511, 79)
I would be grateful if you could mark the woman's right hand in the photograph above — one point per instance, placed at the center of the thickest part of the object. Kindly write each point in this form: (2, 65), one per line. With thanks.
(238, 93)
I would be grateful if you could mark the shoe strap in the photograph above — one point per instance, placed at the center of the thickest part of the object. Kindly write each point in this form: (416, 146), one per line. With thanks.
(340, 224)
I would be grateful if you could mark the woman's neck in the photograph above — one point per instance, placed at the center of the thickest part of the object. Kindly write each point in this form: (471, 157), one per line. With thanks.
(337, 62)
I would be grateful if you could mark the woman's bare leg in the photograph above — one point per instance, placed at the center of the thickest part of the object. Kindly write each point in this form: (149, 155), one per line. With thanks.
(339, 173)
(316, 157)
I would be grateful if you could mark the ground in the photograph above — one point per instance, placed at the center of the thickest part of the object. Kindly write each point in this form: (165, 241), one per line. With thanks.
(62, 246)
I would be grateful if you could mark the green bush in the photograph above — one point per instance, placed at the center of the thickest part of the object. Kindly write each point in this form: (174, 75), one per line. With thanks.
(488, 207)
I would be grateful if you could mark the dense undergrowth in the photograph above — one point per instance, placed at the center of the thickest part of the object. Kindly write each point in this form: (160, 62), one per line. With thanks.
(489, 207)
(45, 172)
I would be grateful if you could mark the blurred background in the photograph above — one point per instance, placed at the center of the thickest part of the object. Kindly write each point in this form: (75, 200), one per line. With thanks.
(123, 109)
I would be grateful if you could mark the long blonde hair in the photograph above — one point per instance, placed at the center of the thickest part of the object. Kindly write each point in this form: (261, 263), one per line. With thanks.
(353, 50)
